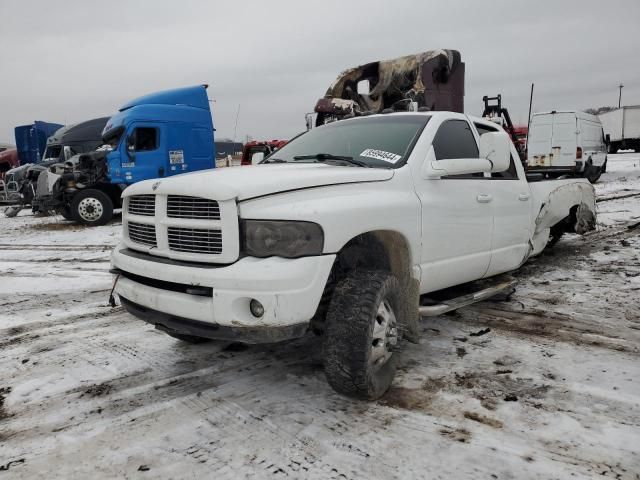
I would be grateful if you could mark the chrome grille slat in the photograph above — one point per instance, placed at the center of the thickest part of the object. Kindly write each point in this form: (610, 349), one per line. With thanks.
(195, 240)
(182, 206)
(142, 205)
(142, 234)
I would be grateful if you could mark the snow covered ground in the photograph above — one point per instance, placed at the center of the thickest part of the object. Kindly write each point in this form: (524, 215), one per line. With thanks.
(546, 385)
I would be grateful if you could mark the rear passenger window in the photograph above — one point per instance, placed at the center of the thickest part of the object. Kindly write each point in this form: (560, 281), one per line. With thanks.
(455, 140)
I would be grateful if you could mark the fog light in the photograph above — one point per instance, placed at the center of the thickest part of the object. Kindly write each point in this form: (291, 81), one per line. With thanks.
(257, 310)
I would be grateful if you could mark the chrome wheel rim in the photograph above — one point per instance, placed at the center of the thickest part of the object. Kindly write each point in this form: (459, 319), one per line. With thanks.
(90, 209)
(385, 335)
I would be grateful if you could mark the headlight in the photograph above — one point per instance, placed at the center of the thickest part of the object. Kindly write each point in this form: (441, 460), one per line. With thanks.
(266, 238)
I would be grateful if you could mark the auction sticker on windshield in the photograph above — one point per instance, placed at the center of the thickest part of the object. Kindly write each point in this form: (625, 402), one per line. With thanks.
(381, 155)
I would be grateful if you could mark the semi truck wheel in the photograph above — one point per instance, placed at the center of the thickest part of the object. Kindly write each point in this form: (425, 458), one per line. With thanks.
(92, 207)
(66, 213)
(362, 334)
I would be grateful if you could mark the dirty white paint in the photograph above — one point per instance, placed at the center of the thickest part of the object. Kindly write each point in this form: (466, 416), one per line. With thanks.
(551, 391)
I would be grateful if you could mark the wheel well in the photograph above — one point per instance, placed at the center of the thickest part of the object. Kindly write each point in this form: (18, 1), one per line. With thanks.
(112, 191)
(376, 250)
(566, 225)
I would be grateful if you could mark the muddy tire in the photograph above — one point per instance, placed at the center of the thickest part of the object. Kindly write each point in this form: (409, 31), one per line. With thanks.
(188, 338)
(92, 207)
(362, 334)
(66, 213)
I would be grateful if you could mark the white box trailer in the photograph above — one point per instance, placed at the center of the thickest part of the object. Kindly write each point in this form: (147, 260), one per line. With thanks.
(623, 127)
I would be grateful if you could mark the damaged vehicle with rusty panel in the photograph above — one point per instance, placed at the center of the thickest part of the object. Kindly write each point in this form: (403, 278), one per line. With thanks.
(340, 232)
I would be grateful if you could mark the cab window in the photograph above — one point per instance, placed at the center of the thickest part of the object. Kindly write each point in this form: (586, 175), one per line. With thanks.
(455, 139)
(145, 139)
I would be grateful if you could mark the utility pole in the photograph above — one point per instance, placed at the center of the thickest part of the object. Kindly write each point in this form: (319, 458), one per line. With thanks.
(530, 104)
(620, 95)
(235, 128)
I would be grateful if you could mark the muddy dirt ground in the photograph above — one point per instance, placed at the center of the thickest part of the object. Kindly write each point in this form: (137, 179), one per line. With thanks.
(545, 385)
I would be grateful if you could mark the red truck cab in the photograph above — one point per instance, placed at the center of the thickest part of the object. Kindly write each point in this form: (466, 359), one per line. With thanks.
(266, 147)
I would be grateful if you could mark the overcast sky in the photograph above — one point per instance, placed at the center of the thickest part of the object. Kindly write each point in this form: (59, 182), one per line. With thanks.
(70, 61)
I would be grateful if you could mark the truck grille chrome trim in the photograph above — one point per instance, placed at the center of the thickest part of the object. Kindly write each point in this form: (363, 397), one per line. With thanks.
(142, 205)
(195, 240)
(142, 234)
(182, 206)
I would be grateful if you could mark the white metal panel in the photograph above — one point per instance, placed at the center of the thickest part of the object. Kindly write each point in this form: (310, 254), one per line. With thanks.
(632, 122)
(612, 124)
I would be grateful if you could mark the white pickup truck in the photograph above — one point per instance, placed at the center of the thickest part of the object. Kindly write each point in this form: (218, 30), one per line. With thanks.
(340, 231)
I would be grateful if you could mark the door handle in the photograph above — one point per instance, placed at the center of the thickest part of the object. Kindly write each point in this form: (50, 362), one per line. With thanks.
(524, 196)
(484, 198)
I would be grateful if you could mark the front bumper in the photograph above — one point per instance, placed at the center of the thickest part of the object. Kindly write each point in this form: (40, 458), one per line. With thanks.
(289, 289)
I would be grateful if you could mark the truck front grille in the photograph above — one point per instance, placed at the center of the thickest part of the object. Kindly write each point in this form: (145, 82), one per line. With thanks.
(142, 234)
(142, 205)
(195, 240)
(181, 206)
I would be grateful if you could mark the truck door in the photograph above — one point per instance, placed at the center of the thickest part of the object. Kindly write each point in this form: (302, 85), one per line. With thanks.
(511, 214)
(144, 153)
(457, 218)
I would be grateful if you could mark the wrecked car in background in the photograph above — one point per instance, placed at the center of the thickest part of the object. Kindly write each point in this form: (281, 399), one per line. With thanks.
(60, 147)
(339, 231)
(432, 80)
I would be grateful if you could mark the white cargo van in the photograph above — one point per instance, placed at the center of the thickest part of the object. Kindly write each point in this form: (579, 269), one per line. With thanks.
(562, 143)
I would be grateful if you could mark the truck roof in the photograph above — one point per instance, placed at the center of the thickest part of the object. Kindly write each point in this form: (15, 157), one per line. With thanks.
(577, 113)
(195, 96)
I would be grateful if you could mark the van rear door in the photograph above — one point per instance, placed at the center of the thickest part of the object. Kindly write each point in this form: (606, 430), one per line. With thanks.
(564, 140)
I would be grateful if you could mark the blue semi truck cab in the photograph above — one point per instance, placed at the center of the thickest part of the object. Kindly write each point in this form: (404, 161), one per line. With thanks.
(154, 136)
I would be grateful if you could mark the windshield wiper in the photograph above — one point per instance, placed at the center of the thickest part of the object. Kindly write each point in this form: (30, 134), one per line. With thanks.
(321, 157)
(274, 160)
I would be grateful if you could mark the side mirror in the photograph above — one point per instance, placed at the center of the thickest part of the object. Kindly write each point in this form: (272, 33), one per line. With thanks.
(433, 169)
(131, 143)
(496, 147)
(67, 153)
(607, 139)
(257, 157)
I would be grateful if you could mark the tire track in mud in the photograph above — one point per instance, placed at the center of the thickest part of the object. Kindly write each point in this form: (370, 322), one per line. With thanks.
(550, 326)
(60, 247)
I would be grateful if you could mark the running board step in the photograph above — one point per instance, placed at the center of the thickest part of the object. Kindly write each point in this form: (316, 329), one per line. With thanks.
(464, 300)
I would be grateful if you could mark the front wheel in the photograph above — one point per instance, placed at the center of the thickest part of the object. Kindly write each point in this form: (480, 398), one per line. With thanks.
(66, 213)
(362, 334)
(92, 207)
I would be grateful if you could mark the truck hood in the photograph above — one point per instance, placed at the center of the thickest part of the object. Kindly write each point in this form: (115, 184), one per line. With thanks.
(248, 182)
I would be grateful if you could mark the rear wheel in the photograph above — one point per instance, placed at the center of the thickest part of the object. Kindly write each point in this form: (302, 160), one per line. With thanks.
(92, 207)
(362, 334)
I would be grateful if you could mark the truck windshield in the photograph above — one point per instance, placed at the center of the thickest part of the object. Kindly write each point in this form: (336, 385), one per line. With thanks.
(380, 142)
